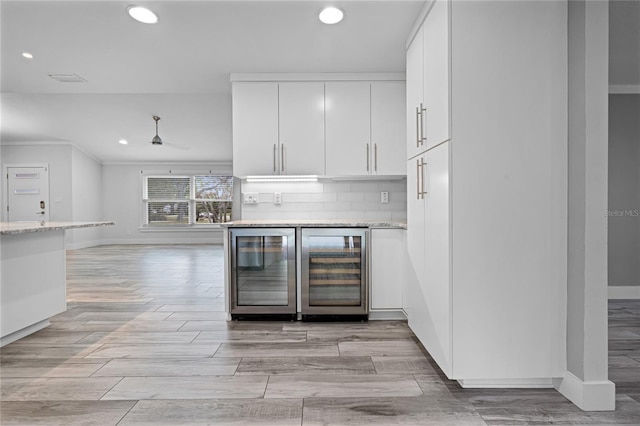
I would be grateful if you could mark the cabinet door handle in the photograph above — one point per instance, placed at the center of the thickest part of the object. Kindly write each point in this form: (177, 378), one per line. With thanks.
(282, 165)
(418, 125)
(274, 159)
(423, 132)
(424, 178)
(367, 157)
(375, 157)
(418, 174)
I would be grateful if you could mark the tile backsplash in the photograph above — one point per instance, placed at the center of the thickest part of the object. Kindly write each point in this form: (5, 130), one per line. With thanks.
(327, 199)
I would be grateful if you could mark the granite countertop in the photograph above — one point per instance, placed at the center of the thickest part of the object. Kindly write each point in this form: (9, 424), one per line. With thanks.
(321, 223)
(9, 228)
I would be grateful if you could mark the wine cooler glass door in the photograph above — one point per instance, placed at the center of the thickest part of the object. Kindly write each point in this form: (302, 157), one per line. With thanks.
(334, 273)
(263, 279)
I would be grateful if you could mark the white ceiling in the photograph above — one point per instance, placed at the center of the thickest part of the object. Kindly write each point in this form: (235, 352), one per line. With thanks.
(179, 68)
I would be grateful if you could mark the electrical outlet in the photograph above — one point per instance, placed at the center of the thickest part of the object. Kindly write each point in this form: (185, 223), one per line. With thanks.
(277, 198)
(384, 197)
(250, 198)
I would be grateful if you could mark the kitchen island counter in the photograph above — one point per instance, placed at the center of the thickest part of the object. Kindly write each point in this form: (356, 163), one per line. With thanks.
(11, 228)
(33, 277)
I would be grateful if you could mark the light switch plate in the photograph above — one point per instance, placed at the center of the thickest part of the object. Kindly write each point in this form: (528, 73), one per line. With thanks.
(250, 198)
(277, 198)
(384, 197)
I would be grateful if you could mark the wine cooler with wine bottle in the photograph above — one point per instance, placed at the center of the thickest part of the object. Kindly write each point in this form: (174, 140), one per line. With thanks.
(334, 279)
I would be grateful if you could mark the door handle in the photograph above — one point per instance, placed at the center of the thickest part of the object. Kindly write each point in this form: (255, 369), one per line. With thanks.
(282, 164)
(375, 157)
(423, 132)
(367, 157)
(418, 174)
(418, 125)
(424, 176)
(274, 159)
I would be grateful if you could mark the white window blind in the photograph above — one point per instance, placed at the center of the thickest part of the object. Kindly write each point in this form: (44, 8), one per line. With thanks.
(187, 200)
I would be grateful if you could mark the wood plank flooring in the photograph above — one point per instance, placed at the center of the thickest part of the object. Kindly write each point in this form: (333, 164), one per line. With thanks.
(145, 342)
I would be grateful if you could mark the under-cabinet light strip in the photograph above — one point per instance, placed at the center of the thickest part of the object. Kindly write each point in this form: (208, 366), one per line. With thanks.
(283, 178)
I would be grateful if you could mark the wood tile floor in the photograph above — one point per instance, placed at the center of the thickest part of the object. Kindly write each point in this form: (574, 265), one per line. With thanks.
(144, 341)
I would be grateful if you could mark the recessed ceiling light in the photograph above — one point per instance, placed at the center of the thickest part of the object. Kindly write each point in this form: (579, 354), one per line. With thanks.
(331, 15)
(123, 142)
(27, 55)
(142, 14)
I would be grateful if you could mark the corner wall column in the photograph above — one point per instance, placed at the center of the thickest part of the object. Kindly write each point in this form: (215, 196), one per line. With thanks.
(586, 381)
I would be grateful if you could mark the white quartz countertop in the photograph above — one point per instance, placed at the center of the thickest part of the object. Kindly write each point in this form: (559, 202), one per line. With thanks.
(8, 228)
(336, 223)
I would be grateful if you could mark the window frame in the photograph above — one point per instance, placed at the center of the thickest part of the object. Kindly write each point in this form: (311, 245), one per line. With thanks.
(191, 200)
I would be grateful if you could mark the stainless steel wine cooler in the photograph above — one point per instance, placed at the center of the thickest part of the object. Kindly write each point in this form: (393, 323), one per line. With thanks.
(263, 272)
(334, 278)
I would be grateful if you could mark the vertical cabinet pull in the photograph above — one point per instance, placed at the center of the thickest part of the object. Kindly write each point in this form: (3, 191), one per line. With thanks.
(367, 157)
(375, 157)
(418, 176)
(282, 165)
(274, 159)
(418, 126)
(424, 178)
(421, 173)
(423, 116)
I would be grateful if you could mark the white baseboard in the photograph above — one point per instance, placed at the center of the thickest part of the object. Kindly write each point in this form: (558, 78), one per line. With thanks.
(588, 396)
(624, 291)
(391, 314)
(16, 335)
(506, 383)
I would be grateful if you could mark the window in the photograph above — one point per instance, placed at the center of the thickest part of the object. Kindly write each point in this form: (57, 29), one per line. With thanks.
(187, 200)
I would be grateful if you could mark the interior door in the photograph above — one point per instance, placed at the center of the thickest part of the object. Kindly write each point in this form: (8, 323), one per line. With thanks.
(27, 194)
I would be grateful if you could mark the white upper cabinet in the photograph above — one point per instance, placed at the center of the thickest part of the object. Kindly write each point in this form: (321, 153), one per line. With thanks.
(428, 88)
(415, 93)
(348, 128)
(435, 116)
(365, 128)
(325, 128)
(255, 128)
(388, 131)
(301, 124)
(278, 128)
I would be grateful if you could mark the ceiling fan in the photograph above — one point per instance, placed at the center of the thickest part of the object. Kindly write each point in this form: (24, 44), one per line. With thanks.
(157, 140)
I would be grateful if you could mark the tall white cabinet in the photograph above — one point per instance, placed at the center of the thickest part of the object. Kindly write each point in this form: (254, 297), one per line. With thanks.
(486, 175)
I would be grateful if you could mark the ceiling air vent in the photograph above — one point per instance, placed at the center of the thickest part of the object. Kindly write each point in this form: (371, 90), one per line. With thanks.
(67, 78)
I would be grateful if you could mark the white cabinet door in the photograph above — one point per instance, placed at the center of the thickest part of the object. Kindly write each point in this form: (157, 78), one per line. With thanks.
(301, 124)
(437, 285)
(435, 117)
(415, 92)
(388, 128)
(387, 268)
(255, 128)
(347, 121)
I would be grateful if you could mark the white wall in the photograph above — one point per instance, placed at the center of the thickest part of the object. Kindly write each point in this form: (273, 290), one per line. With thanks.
(328, 199)
(122, 203)
(624, 190)
(86, 193)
